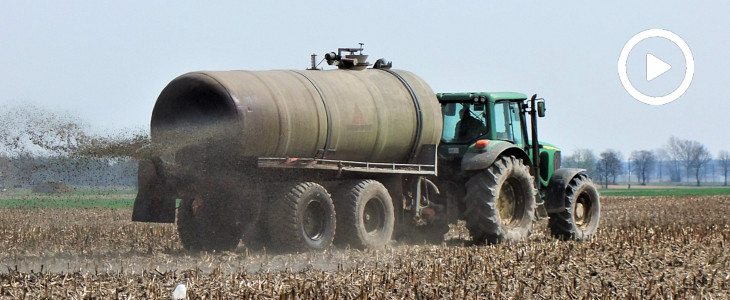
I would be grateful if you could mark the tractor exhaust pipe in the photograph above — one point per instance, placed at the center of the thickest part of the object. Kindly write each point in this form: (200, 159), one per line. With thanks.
(535, 145)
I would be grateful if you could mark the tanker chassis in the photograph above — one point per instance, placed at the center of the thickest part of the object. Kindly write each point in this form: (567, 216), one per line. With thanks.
(298, 160)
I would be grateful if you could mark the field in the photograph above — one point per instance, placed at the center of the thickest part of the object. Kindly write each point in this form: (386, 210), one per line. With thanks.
(670, 247)
(639, 190)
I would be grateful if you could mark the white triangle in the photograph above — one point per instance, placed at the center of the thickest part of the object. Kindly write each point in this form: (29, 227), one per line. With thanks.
(655, 67)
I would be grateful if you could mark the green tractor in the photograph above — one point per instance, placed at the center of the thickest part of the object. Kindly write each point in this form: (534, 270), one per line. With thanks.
(508, 180)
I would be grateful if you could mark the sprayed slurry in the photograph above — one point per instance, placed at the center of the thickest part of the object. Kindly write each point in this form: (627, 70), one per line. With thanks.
(40, 146)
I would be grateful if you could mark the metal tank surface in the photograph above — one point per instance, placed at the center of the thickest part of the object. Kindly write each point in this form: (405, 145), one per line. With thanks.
(372, 115)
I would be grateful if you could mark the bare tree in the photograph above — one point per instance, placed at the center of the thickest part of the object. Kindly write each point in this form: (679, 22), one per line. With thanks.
(661, 157)
(724, 159)
(609, 166)
(582, 158)
(643, 164)
(692, 154)
(674, 151)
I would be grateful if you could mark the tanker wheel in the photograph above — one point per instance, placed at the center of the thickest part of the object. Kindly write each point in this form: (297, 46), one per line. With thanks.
(500, 202)
(204, 226)
(365, 214)
(579, 219)
(302, 219)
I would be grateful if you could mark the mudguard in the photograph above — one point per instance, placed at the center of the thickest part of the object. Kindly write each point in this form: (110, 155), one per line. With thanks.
(555, 197)
(155, 201)
(480, 161)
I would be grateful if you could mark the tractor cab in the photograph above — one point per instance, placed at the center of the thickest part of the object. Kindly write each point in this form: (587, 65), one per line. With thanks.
(470, 117)
(475, 123)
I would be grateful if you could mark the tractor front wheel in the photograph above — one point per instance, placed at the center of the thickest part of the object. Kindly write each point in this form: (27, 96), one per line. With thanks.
(500, 202)
(579, 220)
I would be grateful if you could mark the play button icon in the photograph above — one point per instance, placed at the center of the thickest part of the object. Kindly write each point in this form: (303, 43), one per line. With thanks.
(655, 67)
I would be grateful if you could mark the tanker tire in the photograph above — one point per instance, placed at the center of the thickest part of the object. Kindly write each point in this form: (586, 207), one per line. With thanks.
(207, 231)
(579, 220)
(507, 183)
(365, 214)
(302, 219)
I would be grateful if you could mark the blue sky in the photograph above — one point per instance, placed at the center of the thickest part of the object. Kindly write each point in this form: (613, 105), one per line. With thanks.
(108, 60)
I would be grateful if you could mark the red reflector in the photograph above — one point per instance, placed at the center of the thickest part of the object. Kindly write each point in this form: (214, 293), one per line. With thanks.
(481, 144)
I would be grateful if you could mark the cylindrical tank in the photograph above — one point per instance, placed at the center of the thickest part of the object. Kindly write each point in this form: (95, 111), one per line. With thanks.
(359, 115)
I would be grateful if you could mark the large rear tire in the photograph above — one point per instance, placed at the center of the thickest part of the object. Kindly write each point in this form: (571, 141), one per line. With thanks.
(365, 214)
(205, 226)
(579, 220)
(500, 202)
(302, 219)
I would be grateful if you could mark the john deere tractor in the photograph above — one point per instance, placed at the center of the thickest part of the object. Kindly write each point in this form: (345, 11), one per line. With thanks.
(500, 179)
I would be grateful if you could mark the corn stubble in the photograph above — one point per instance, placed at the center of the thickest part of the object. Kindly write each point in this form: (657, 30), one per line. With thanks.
(658, 247)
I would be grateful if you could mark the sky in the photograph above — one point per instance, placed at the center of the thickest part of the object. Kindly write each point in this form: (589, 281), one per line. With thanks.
(107, 61)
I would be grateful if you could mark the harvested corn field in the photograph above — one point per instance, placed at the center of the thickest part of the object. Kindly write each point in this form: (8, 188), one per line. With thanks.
(646, 247)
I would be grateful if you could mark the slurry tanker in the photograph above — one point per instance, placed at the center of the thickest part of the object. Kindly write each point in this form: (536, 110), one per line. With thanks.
(300, 160)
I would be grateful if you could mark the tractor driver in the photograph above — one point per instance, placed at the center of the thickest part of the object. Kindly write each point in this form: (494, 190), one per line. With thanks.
(468, 127)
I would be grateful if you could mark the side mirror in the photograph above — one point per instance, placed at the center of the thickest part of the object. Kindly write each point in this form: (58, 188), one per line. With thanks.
(541, 109)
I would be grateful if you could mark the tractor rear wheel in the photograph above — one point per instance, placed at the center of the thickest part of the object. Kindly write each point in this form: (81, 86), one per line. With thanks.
(205, 226)
(579, 220)
(500, 202)
(302, 219)
(365, 214)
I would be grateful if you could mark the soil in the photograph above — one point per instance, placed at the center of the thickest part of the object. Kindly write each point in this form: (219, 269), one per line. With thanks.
(646, 247)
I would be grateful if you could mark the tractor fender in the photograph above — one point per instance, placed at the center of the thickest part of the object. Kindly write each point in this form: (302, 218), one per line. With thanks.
(153, 202)
(555, 196)
(479, 161)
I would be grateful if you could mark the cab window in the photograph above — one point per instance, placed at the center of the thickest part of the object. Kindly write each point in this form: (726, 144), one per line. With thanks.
(502, 120)
(463, 122)
(508, 125)
(516, 123)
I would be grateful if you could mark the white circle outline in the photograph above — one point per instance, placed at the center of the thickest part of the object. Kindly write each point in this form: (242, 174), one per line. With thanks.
(689, 61)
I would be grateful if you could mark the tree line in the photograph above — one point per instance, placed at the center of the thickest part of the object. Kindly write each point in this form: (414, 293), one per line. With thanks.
(676, 157)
